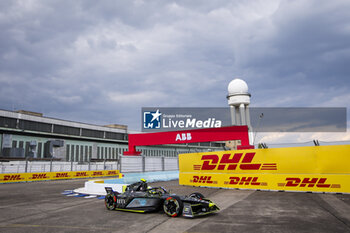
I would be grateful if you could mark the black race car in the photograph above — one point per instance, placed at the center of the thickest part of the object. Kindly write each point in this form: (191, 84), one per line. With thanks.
(141, 198)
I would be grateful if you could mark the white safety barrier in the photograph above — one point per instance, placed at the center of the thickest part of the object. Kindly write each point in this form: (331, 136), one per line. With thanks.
(54, 166)
(147, 164)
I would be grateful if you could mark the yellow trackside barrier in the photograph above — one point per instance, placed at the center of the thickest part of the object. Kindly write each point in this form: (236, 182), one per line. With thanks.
(315, 169)
(35, 176)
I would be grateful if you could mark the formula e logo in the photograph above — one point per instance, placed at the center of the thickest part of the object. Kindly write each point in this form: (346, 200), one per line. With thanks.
(152, 120)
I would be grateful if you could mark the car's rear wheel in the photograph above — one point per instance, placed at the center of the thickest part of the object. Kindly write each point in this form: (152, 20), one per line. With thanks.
(197, 195)
(173, 206)
(110, 201)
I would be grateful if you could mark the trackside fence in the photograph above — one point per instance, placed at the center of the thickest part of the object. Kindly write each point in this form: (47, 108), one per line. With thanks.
(125, 164)
(54, 166)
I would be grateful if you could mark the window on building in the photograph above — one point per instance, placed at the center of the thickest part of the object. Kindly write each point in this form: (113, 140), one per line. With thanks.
(61, 129)
(92, 133)
(76, 159)
(86, 154)
(8, 122)
(35, 126)
(27, 149)
(67, 152)
(116, 136)
(40, 150)
(72, 153)
(81, 158)
(90, 153)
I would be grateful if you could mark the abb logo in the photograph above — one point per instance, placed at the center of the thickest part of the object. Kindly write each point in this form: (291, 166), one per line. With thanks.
(308, 182)
(39, 176)
(231, 162)
(62, 175)
(97, 173)
(203, 179)
(81, 174)
(245, 181)
(12, 177)
(183, 137)
(112, 173)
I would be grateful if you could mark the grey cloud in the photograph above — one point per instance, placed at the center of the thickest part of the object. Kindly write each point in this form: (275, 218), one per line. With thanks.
(76, 60)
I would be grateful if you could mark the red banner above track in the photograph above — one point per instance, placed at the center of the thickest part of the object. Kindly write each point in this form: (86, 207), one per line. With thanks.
(189, 136)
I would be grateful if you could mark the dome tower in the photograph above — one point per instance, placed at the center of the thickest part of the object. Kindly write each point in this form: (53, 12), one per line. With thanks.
(239, 99)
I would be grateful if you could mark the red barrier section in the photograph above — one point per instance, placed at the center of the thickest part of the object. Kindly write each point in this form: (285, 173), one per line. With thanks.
(189, 136)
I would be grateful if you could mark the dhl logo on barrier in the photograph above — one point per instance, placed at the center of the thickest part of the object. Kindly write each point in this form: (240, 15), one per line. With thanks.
(22, 177)
(110, 173)
(245, 181)
(211, 162)
(62, 175)
(308, 182)
(39, 176)
(267, 182)
(315, 169)
(81, 174)
(12, 177)
(97, 173)
(203, 179)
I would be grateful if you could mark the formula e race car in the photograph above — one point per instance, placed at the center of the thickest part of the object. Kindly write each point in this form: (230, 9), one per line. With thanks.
(139, 197)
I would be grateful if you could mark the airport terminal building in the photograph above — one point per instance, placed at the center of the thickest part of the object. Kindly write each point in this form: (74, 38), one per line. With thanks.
(25, 134)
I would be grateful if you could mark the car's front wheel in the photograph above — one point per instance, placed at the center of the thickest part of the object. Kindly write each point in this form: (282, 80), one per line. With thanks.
(173, 206)
(110, 201)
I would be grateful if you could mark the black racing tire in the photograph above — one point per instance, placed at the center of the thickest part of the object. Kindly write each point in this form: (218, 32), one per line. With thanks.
(110, 201)
(173, 206)
(197, 195)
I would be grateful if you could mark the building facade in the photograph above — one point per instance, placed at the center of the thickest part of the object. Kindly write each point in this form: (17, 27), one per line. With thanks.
(26, 134)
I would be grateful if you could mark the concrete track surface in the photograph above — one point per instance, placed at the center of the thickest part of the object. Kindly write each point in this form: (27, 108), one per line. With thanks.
(40, 207)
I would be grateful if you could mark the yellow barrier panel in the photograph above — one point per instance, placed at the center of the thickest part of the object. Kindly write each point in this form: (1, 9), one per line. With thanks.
(13, 177)
(35, 176)
(316, 169)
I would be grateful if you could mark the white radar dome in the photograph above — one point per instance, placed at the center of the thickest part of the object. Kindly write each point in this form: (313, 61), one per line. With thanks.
(237, 86)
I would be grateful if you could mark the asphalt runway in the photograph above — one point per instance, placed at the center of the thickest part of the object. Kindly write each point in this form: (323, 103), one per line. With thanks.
(40, 207)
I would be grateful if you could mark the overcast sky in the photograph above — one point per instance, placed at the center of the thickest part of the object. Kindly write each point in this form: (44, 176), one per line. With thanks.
(101, 61)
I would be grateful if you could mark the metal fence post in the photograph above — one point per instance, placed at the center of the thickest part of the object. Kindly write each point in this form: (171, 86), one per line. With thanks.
(89, 165)
(71, 165)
